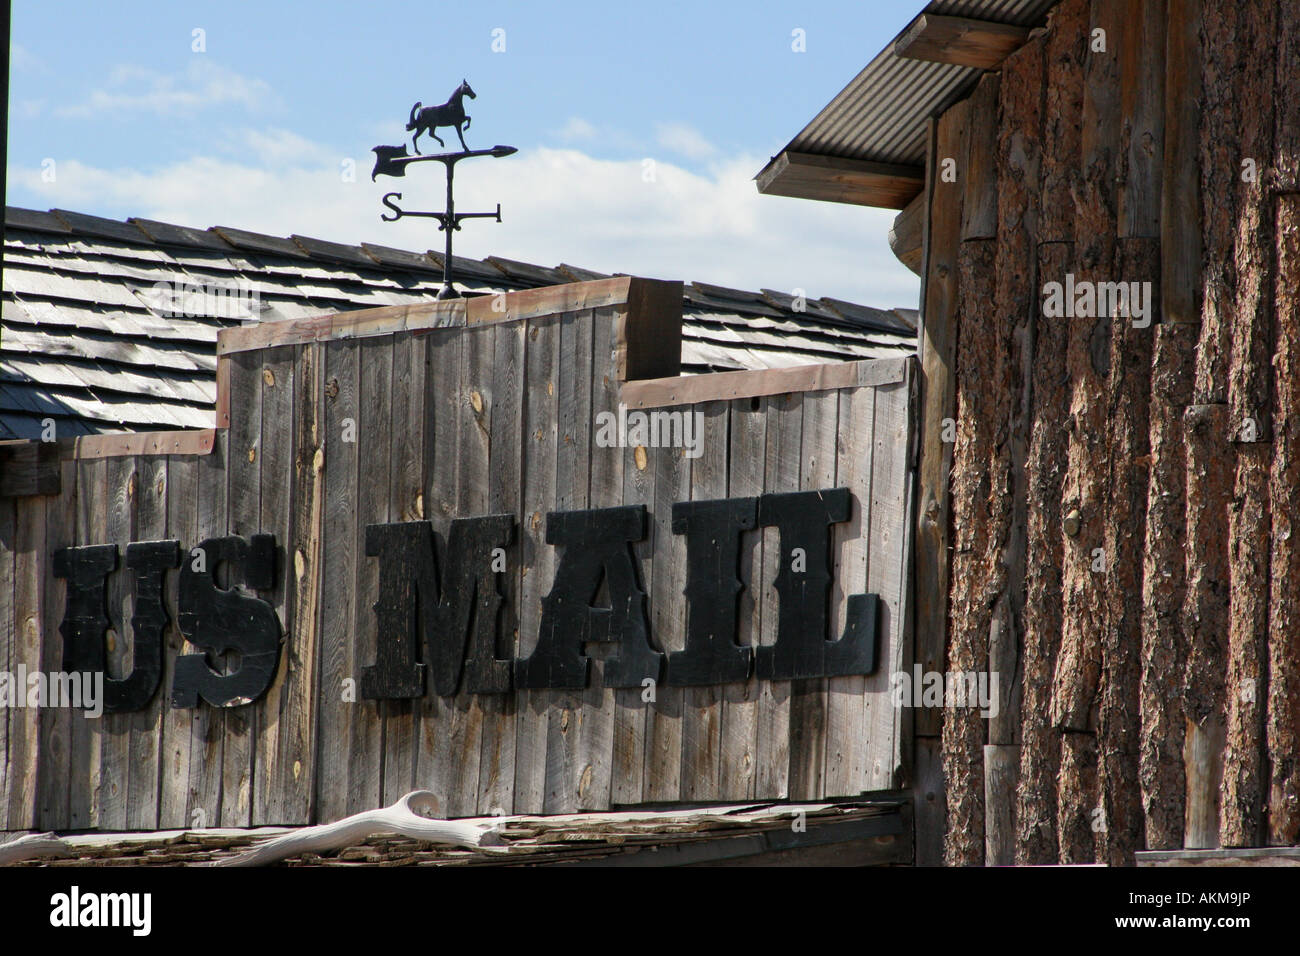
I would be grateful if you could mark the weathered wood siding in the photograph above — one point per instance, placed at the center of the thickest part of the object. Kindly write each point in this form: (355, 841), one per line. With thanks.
(457, 418)
(1121, 496)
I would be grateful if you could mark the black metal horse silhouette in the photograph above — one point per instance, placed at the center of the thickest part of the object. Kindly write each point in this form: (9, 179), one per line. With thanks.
(451, 113)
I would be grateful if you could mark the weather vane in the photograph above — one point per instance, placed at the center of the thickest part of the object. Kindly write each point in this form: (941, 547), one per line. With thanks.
(393, 160)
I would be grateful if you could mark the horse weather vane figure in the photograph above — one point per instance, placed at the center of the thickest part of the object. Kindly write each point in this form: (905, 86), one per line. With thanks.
(393, 160)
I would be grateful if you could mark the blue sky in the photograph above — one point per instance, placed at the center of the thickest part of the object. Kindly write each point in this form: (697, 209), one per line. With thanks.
(258, 129)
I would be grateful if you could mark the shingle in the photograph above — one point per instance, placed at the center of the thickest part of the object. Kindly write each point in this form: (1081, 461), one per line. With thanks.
(167, 234)
(46, 372)
(81, 343)
(460, 267)
(101, 267)
(33, 219)
(811, 307)
(696, 295)
(722, 292)
(277, 309)
(578, 274)
(333, 251)
(867, 316)
(95, 249)
(80, 222)
(401, 259)
(15, 397)
(242, 239)
(910, 317)
(48, 313)
(527, 272)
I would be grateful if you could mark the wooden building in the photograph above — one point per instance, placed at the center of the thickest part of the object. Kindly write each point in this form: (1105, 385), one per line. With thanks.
(1110, 528)
(1069, 479)
(317, 467)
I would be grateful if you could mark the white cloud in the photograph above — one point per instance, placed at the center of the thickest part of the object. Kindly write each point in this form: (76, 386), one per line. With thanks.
(202, 84)
(280, 147)
(684, 140)
(558, 205)
(577, 128)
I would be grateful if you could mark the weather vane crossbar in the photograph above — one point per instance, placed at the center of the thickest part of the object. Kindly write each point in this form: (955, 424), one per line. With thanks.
(393, 160)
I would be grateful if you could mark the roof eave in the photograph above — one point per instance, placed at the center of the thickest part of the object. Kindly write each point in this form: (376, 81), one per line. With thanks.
(837, 179)
(866, 146)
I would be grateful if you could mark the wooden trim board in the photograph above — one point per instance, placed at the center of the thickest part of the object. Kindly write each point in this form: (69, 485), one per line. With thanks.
(837, 179)
(1247, 856)
(32, 467)
(505, 307)
(187, 442)
(726, 386)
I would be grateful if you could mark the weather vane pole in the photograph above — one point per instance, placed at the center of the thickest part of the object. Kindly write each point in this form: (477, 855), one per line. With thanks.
(393, 160)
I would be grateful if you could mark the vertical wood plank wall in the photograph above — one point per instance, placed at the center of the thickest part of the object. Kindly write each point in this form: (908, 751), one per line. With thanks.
(490, 417)
(1122, 498)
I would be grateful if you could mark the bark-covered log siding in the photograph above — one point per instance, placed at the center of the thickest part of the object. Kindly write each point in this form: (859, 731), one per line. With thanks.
(1122, 494)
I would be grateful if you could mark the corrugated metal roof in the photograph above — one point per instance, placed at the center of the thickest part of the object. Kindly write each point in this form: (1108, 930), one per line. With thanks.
(881, 115)
(85, 340)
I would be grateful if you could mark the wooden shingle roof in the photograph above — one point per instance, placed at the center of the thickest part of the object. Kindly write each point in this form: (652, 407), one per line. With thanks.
(86, 338)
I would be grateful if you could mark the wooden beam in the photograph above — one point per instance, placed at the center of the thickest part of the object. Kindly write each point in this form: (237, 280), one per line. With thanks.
(959, 41)
(836, 179)
(876, 841)
(727, 386)
(505, 307)
(552, 299)
(648, 330)
(32, 467)
(906, 233)
(1255, 856)
(194, 442)
(341, 325)
(936, 351)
